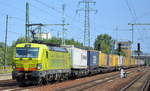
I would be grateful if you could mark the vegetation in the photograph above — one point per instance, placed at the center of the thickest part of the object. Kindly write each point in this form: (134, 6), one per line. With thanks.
(103, 43)
(67, 41)
(19, 40)
(106, 44)
(9, 54)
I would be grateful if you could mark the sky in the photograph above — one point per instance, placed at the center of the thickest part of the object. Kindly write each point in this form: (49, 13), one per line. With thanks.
(112, 18)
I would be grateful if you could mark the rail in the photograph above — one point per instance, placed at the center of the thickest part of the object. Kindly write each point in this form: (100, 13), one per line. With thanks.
(92, 82)
(145, 87)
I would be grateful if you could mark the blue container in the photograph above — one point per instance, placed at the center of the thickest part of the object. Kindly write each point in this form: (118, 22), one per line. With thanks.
(93, 59)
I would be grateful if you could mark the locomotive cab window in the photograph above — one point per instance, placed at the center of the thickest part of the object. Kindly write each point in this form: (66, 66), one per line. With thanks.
(27, 52)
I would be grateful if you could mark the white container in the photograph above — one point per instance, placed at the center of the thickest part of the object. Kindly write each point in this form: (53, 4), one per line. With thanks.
(141, 62)
(136, 62)
(78, 57)
(120, 61)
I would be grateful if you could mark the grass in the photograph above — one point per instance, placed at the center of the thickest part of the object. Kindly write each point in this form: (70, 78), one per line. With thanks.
(7, 70)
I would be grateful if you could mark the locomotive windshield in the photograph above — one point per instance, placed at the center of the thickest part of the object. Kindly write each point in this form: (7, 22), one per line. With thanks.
(27, 52)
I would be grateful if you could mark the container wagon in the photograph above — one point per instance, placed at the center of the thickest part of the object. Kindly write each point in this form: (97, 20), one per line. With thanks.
(111, 62)
(103, 61)
(147, 62)
(120, 61)
(93, 61)
(126, 62)
(116, 61)
(79, 63)
(132, 62)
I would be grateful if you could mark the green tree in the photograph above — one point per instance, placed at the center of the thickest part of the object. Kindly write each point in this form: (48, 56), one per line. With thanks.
(55, 40)
(19, 40)
(2, 45)
(75, 43)
(103, 42)
(8, 55)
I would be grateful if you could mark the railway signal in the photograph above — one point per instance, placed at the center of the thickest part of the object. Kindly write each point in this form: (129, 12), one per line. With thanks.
(138, 49)
(119, 48)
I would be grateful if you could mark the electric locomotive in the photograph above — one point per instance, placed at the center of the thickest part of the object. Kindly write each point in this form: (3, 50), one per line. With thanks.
(40, 63)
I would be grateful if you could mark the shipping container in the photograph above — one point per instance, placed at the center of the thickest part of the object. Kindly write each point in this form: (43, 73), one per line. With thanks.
(115, 60)
(110, 60)
(136, 62)
(132, 61)
(102, 60)
(78, 57)
(147, 62)
(141, 62)
(126, 61)
(120, 61)
(93, 57)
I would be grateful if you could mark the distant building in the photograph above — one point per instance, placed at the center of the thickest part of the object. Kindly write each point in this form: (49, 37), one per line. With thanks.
(125, 45)
(126, 48)
(43, 35)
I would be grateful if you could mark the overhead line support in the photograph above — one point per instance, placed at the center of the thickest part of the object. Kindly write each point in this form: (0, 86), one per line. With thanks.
(6, 34)
(135, 24)
(27, 22)
(87, 11)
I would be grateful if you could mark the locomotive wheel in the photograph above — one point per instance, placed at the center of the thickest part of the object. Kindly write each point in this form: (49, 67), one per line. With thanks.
(45, 81)
(40, 81)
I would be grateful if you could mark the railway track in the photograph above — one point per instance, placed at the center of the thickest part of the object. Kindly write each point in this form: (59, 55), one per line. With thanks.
(92, 83)
(11, 85)
(146, 86)
(137, 83)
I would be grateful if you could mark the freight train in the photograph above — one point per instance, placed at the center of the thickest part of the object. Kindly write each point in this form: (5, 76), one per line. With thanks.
(42, 63)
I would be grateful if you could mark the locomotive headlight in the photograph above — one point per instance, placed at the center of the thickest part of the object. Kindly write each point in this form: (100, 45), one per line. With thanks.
(14, 66)
(39, 66)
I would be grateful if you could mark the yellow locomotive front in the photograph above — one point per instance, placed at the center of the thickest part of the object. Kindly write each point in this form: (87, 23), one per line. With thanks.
(28, 62)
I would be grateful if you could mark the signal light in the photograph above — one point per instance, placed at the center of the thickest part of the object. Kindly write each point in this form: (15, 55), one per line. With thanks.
(138, 47)
(119, 47)
(39, 66)
(99, 47)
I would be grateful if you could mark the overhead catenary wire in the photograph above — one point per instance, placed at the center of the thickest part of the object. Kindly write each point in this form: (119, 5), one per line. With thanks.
(16, 33)
(58, 11)
(22, 11)
(145, 14)
(132, 11)
(137, 19)
(18, 18)
(43, 10)
(3, 14)
(48, 6)
(12, 6)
